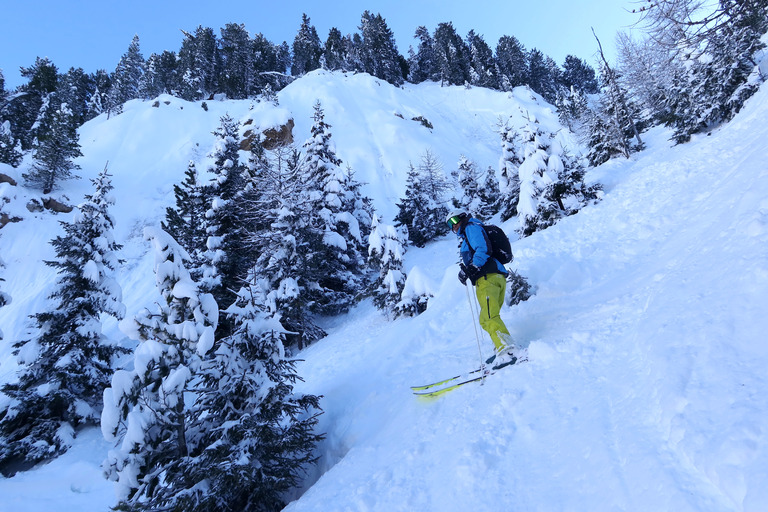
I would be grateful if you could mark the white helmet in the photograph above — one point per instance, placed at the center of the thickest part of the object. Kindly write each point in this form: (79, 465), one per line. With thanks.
(455, 217)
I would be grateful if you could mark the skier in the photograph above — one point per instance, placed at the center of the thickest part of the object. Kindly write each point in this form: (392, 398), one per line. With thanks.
(490, 279)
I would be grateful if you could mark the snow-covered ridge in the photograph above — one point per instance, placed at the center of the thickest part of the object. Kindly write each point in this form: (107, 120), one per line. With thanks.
(646, 388)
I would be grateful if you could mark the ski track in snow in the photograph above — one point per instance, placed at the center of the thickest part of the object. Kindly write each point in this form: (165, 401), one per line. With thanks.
(646, 385)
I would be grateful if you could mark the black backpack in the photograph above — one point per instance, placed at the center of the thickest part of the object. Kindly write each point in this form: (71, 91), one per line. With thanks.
(500, 248)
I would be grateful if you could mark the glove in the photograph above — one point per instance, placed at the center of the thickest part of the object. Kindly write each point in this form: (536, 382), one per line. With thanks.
(463, 276)
(473, 273)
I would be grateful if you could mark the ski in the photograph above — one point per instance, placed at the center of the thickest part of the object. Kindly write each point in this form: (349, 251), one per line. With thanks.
(446, 381)
(437, 392)
(427, 391)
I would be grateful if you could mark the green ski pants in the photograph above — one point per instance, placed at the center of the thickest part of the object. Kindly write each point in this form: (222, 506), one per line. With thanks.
(490, 291)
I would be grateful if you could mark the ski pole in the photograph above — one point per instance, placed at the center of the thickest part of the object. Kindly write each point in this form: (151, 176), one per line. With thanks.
(474, 323)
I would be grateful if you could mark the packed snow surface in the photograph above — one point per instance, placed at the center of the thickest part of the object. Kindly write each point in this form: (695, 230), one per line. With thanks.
(646, 386)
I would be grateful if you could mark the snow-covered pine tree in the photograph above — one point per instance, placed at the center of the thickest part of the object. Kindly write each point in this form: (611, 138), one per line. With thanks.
(490, 194)
(721, 79)
(282, 270)
(386, 249)
(512, 63)
(452, 59)
(568, 193)
(535, 176)
(159, 75)
(334, 54)
(3, 92)
(97, 100)
(24, 110)
(360, 206)
(572, 108)
(422, 211)
(482, 63)
(68, 363)
(468, 176)
(518, 289)
(236, 55)
(540, 75)
(378, 53)
(510, 177)
(228, 260)
(252, 437)
(127, 78)
(614, 121)
(55, 147)
(147, 409)
(334, 239)
(579, 75)
(10, 148)
(73, 88)
(307, 48)
(415, 296)
(422, 61)
(186, 221)
(5, 299)
(198, 64)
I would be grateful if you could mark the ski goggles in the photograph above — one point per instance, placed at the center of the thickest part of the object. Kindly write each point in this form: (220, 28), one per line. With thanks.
(452, 221)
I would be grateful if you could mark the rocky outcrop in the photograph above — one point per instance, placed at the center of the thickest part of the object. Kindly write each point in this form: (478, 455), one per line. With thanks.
(271, 138)
(4, 178)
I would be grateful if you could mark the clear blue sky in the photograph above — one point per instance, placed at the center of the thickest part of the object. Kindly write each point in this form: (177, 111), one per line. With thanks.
(95, 34)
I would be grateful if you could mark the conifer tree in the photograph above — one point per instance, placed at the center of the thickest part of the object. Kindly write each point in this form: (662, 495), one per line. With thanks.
(160, 75)
(490, 194)
(422, 61)
(186, 221)
(615, 114)
(511, 158)
(572, 109)
(282, 271)
(386, 249)
(227, 259)
(236, 56)
(512, 63)
(24, 110)
(252, 435)
(415, 296)
(10, 147)
(3, 92)
(334, 55)
(334, 237)
(5, 299)
(127, 78)
(535, 176)
(147, 410)
(97, 101)
(378, 53)
(198, 64)
(67, 365)
(483, 71)
(74, 88)
(468, 177)
(579, 75)
(56, 146)
(422, 211)
(307, 48)
(726, 74)
(452, 58)
(540, 78)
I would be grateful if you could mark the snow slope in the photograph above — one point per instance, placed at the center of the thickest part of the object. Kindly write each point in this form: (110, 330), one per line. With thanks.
(646, 386)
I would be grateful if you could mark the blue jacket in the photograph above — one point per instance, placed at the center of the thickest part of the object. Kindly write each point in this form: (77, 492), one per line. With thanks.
(474, 248)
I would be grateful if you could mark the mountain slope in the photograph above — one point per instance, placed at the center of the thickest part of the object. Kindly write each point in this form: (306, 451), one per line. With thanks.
(646, 388)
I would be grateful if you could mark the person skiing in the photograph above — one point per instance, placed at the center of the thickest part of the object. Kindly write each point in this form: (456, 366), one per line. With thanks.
(489, 278)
